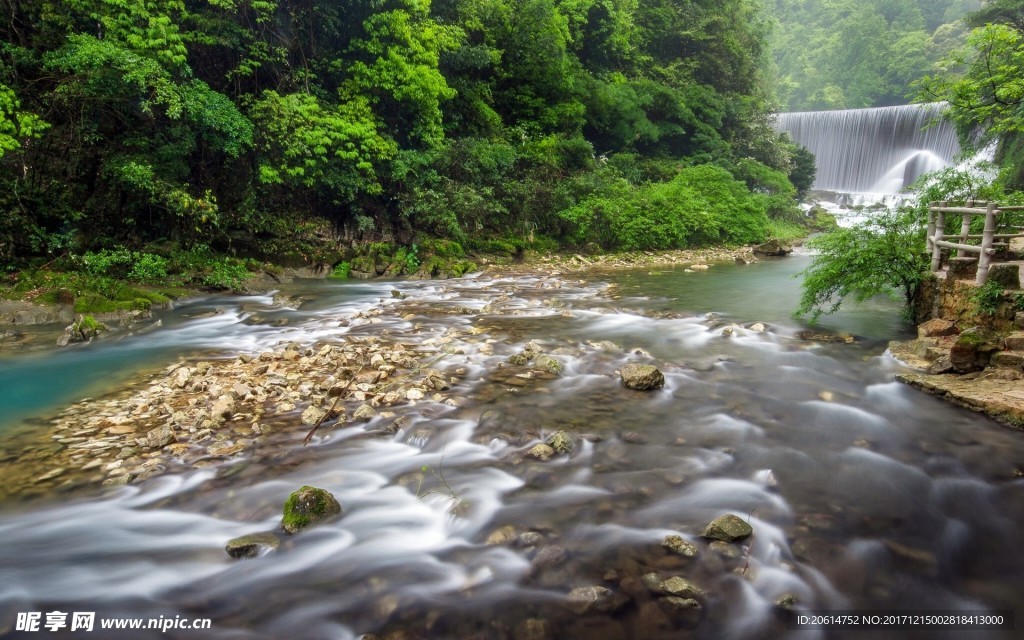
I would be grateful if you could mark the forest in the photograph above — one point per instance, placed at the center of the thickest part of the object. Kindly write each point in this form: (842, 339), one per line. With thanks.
(853, 54)
(166, 131)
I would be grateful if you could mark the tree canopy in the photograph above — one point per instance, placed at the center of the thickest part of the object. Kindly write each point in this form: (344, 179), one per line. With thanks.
(221, 122)
(849, 54)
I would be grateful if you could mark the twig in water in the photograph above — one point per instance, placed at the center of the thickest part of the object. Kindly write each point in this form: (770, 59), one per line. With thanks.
(337, 399)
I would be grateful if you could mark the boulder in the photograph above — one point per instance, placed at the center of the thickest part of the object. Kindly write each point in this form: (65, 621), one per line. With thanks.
(972, 351)
(937, 328)
(643, 377)
(728, 528)
(773, 248)
(307, 507)
(1005, 274)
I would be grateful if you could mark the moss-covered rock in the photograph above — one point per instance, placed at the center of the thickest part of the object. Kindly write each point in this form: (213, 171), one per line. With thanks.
(560, 442)
(548, 364)
(307, 507)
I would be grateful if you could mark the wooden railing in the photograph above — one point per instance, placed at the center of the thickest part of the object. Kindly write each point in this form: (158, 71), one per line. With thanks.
(939, 240)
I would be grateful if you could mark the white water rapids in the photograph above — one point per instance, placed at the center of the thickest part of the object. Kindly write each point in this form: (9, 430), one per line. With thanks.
(863, 494)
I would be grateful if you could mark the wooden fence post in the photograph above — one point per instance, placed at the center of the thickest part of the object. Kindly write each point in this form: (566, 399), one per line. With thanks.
(986, 243)
(930, 231)
(965, 229)
(940, 228)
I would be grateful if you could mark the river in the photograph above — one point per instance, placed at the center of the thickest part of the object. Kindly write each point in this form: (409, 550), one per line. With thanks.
(864, 495)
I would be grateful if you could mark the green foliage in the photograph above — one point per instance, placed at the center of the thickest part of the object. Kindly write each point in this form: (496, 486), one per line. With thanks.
(225, 273)
(341, 271)
(988, 298)
(982, 83)
(845, 54)
(701, 205)
(879, 256)
(220, 124)
(125, 264)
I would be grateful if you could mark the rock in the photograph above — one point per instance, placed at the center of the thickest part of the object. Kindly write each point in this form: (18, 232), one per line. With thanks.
(681, 587)
(1005, 274)
(542, 452)
(676, 544)
(643, 377)
(972, 351)
(312, 415)
(307, 507)
(759, 327)
(160, 437)
(772, 248)
(593, 598)
(724, 549)
(728, 528)
(698, 267)
(252, 545)
(364, 413)
(519, 359)
(936, 328)
(531, 629)
(787, 601)
(560, 442)
(503, 535)
(223, 408)
(547, 363)
(414, 394)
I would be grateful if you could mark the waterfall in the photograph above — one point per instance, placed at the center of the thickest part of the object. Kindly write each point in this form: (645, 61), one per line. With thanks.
(881, 150)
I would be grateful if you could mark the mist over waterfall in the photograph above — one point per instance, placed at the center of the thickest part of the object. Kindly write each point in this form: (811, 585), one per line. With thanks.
(880, 150)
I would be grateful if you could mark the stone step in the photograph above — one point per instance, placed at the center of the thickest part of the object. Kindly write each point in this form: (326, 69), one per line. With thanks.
(1014, 341)
(1011, 359)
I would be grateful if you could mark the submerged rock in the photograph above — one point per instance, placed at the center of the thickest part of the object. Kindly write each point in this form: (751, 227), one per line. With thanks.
(676, 544)
(643, 377)
(728, 528)
(307, 507)
(542, 452)
(252, 545)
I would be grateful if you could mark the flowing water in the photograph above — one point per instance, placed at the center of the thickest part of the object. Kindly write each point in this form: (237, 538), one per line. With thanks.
(882, 150)
(863, 494)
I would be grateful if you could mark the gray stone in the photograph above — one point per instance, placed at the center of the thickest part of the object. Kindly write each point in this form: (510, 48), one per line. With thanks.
(593, 598)
(364, 413)
(676, 544)
(312, 415)
(223, 408)
(681, 587)
(160, 437)
(773, 248)
(728, 528)
(643, 377)
(252, 545)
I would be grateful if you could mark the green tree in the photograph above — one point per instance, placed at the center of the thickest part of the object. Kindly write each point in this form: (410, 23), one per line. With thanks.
(883, 255)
